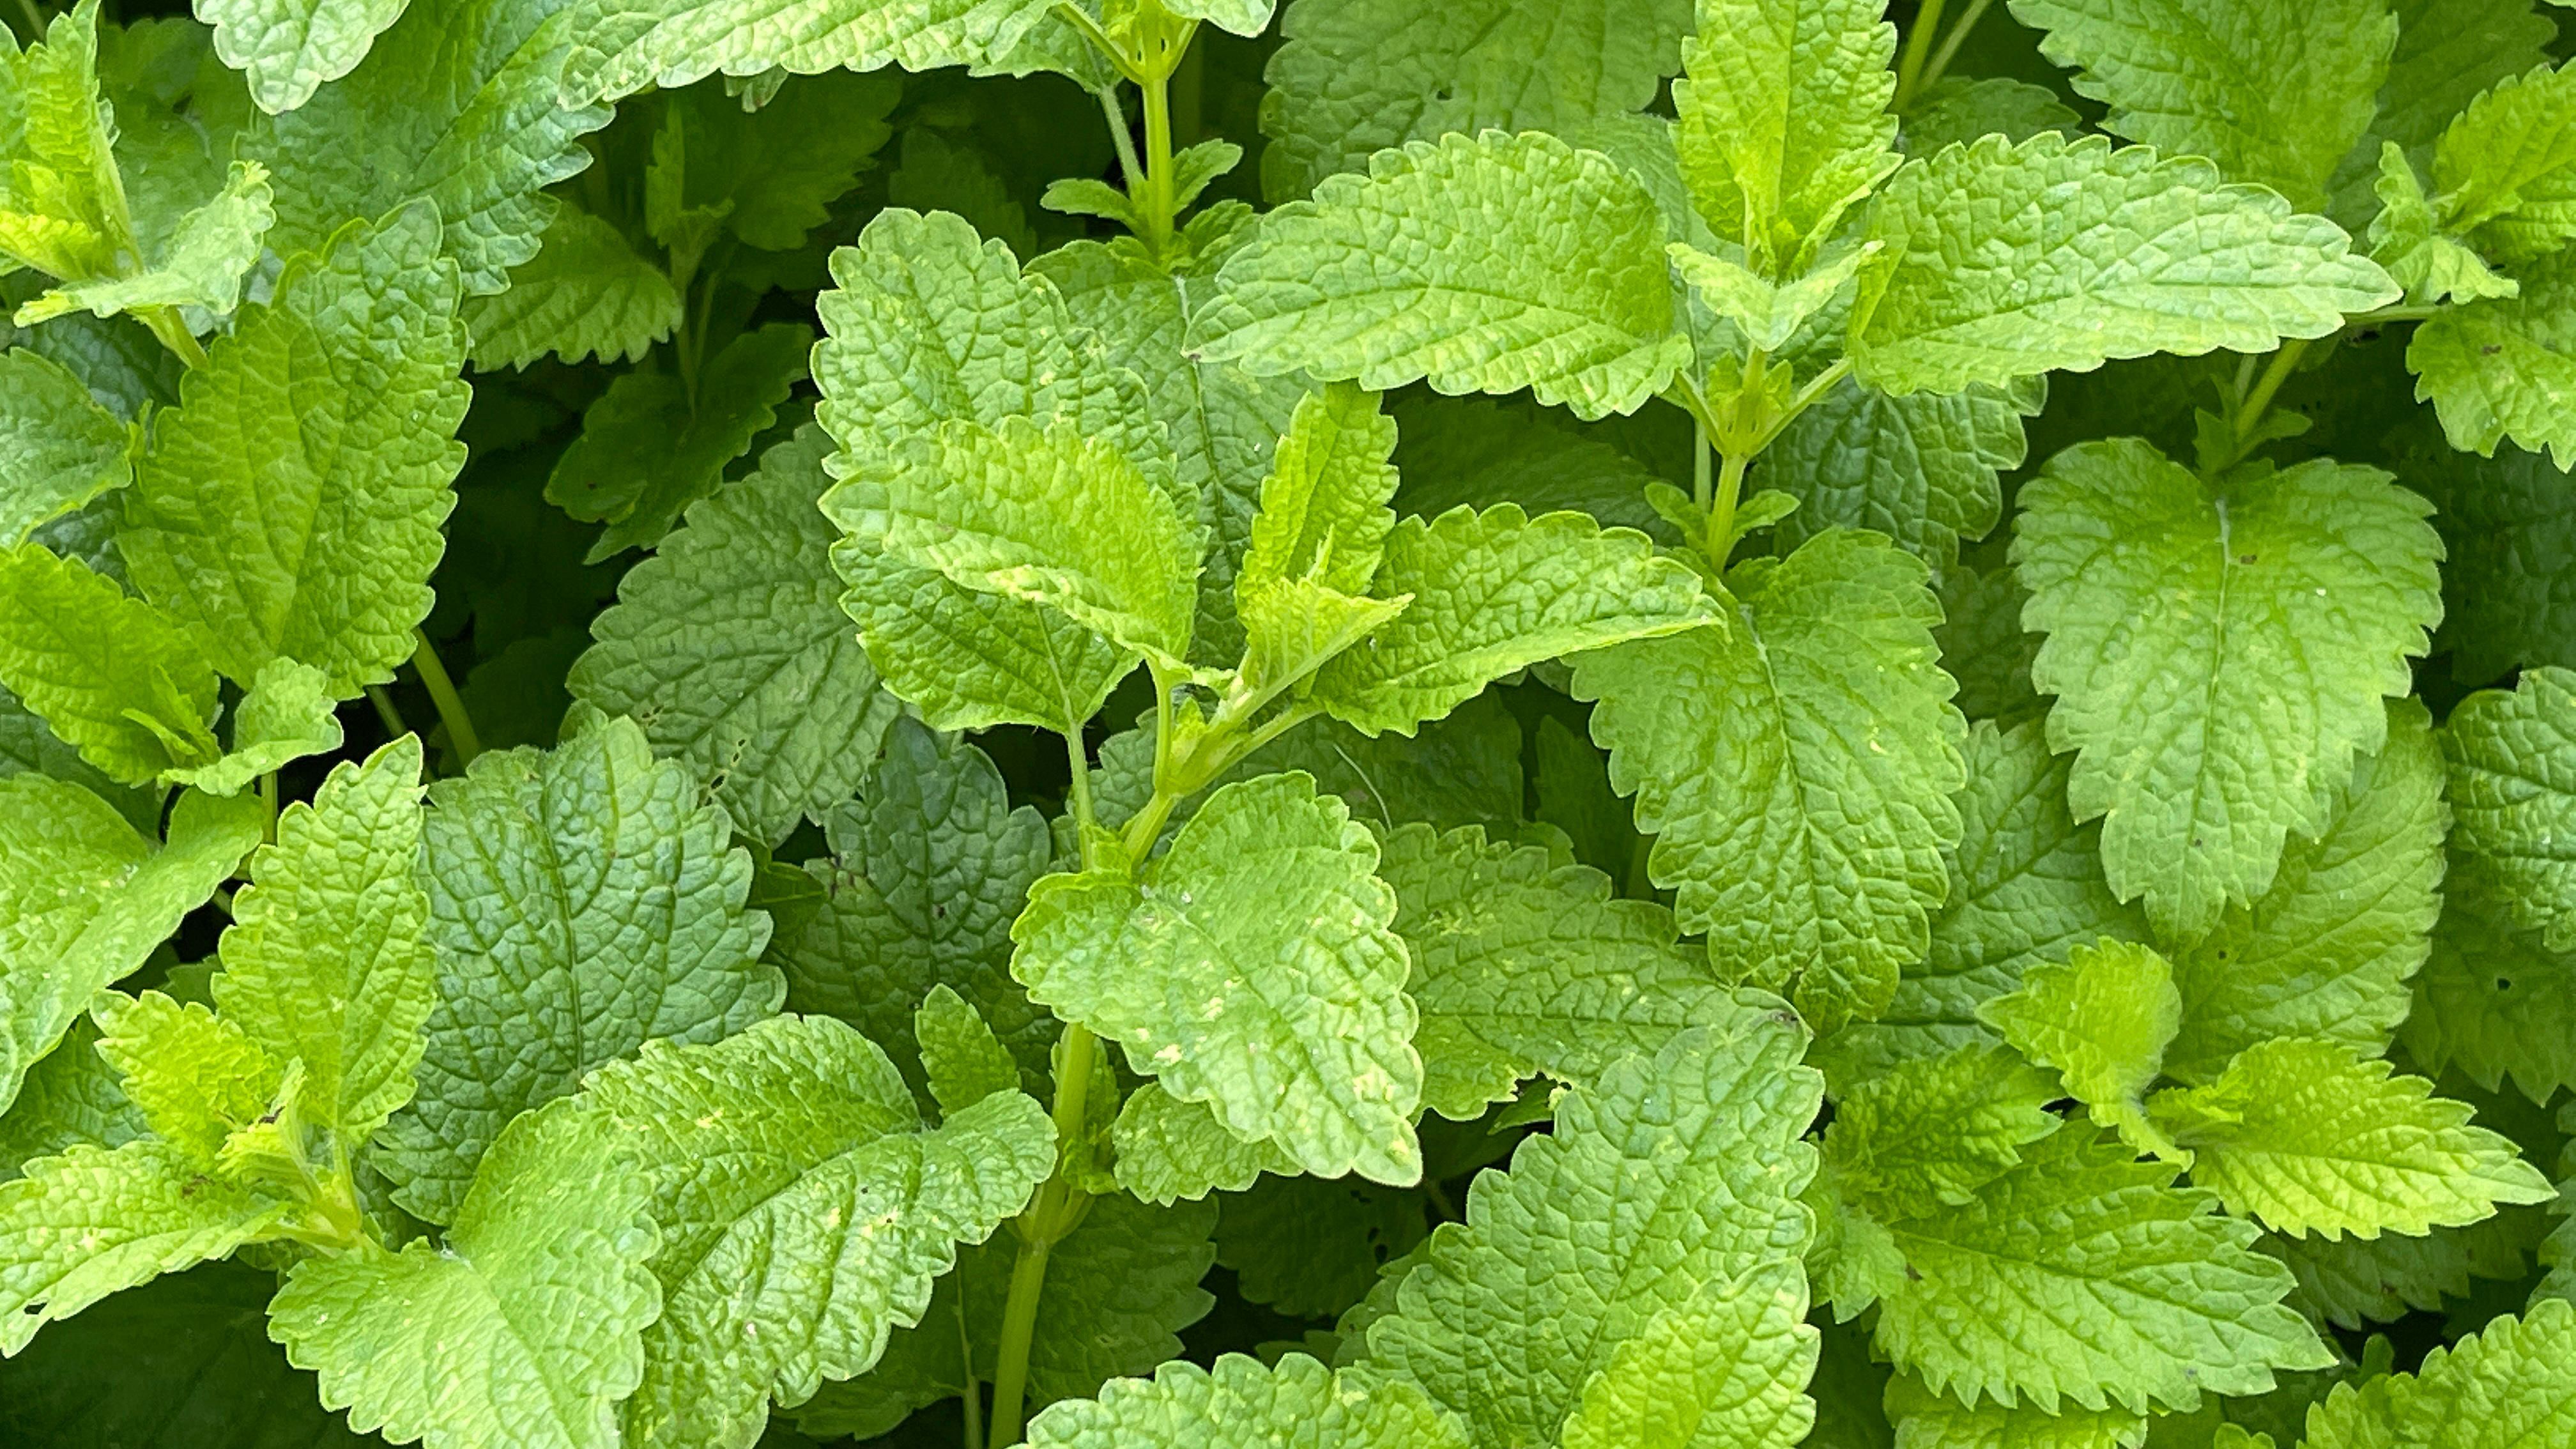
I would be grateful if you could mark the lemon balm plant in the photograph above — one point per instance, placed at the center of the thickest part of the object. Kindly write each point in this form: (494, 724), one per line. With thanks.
(1703, 725)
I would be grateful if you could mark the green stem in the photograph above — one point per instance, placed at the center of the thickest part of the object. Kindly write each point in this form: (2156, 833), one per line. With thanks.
(1158, 206)
(2386, 315)
(385, 711)
(1128, 165)
(974, 1398)
(1703, 480)
(35, 21)
(1721, 518)
(1949, 50)
(1019, 1326)
(268, 797)
(1918, 46)
(2259, 401)
(174, 334)
(451, 706)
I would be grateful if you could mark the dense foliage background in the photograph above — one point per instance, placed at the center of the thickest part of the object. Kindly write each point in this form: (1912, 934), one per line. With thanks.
(635, 533)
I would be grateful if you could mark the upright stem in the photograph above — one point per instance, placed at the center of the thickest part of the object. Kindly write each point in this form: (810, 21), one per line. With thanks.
(2259, 401)
(1950, 44)
(1019, 1327)
(174, 334)
(1721, 519)
(1158, 160)
(1128, 165)
(35, 20)
(385, 711)
(451, 705)
(1918, 46)
(268, 797)
(1703, 481)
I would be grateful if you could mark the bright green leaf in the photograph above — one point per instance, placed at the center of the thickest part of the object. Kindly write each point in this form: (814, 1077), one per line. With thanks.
(586, 291)
(1300, 1404)
(2506, 168)
(2102, 1018)
(623, 46)
(111, 675)
(59, 448)
(287, 714)
(1922, 468)
(289, 48)
(2499, 368)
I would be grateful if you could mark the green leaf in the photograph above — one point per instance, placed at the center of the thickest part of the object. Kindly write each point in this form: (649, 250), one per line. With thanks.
(928, 869)
(647, 451)
(1933, 1131)
(1525, 965)
(2082, 1277)
(84, 899)
(311, 531)
(1169, 1150)
(2202, 77)
(2508, 523)
(290, 48)
(2311, 1138)
(179, 1364)
(457, 102)
(2495, 1000)
(287, 714)
(111, 675)
(2025, 886)
(1312, 1248)
(195, 1077)
(2218, 653)
(779, 169)
(1921, 468)
(2007, 261)
(1300, 1404)
(2407, 239)
(2499, 368)
(1042, 515)
(1118, 1287)
(1445, 263)
(1673, 1176)
(60, 449)
(325, 961)
(525, 1328)
(96, 1220)
(582, 902)
(71, 1097)
(2327, 951)
(1323, 523)
(63, 208)
(1498, 591)
(1926, 1420)
(1252, 969)
(2505, 1387)
(202, 264)
(1730, 1367)
(963, 1060)
(2102, 1018)
(1796, 770)
(1354, 77)
(1957, 110)
(804, 1210)
(2506, 168)
(1480, 453)
(2448, 53)
(2513, 788)
(1784, 122)
(623, 46)
(730, 648)
(928, 325)
(585, 292)
(2353, 1282)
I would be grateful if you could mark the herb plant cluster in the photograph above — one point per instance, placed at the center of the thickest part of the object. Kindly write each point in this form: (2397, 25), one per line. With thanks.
(1702, 724)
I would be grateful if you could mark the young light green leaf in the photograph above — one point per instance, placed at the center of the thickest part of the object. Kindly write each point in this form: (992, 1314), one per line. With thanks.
(1043, 515)
(584, 292)
(1796, 770)
(96, 1220)
(1769, 315)
(963, 1060)
(647, 450)
(1922, 468)
(2499, 368)
(112, 676)
(1445, 263)
(2327, 951)
(1523, 964)
(1173, 1151)
(1933, 1131)
(311, 532)
(1728, 1367)
(624, 46)
(2102, 1018)
(525, 1328)
(290, 48)
(2506, 168)
(583, 902)
(1324, 511)
(730, 648)
(2407, 238)
(1784, 122)
(2449, 52)
(1498, 591)
(1119, 1287)
(457, 102)
(59, 448)
(2218, 679)
(927, 326)
(63, 208)
(1355, 77)
(2513, 786)
(2025, 886)
(2202, 77)
(2505, 1387)
(201, 264)
(195, 1077)
(2082, 1277)
(84, 899)
(1252, 969)
(1300, 1404)
(1622, 1220)
(287, 714)
(928, 869)
(2007, 261)
(804, 1210)
(325, 961)
(2311, 1138)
